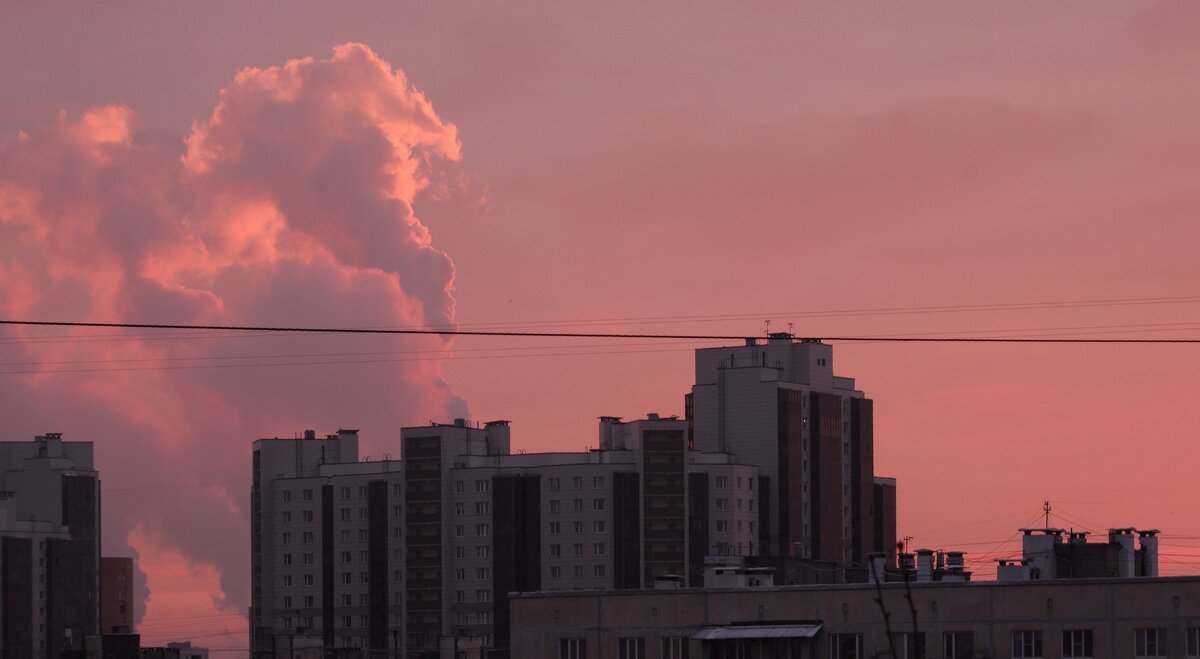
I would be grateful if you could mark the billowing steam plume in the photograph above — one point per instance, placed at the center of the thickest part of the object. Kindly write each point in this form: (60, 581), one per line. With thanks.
(291, 204)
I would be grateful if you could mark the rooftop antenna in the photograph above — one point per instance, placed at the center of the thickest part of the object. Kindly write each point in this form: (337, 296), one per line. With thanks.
(1046, 509)
(907, 539)
(791, 330)
(767, 327)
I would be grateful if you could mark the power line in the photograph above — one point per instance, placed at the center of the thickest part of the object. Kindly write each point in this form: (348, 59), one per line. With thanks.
(580, 335)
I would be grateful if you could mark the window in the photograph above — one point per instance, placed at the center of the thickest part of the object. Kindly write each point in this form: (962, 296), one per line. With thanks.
(1077, 643)
(598, 526)
(308, 537)
(578, 572)
(460, 552)
(460, 596)
(287, 517)
(739, 482)
(343, 514)
(460, 574)
(308, 580)
(347, 600)
(577, 527)
(1193, 642)
(958, 645)
(287, 581)
(345, 535)
(362, 491)
(483, 618)
(309, 601)
(483, 551)
(555, 506)
(722, 505)
(555, 528)
(598, 504)
(287, 539)
(577, 505)
(577, 482)
(598, 571)
(362, 535)
(555, 572)
(483, 530)
(846, 646)
(555, 550)
(287, 495)
(722, 482)
(482, 485)
(460, 509)
(722, 526)
(287, 559)
(364, 577)
(308, 558)
(483, 596)
(578, 547)
(749, 483)
(555, 484)
(397, 489)
(631, 648)
(598, 549)
(483, 573)
(362, 513)
(1027, 644)
(344, 492)
(598, 482)
(909, 645)
(674, 647)
(347, 620)
(1150, 642)
(397, 532)
(572, 648)
(458, 487)
(459, 530)
(483, 508)
(347, 578)
(287, 602)
(308, 495)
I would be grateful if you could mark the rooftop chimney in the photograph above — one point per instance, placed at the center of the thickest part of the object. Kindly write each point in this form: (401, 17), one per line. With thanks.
(1149, 542)
(1123, 538)
(924, 565)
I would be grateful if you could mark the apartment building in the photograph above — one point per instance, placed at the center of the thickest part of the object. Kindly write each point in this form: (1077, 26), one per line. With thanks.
(418, 555)
(774, 459)
(1108, 618)
(49, 547)
(777, 404)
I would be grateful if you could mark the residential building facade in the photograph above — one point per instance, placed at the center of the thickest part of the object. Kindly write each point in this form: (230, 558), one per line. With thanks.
(1112, 618)
(417, 555)
(49, 547)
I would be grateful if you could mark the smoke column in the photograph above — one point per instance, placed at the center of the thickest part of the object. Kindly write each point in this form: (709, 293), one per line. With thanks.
(291, 203)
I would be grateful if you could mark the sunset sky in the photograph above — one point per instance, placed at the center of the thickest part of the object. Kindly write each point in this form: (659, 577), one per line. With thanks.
(860, 169)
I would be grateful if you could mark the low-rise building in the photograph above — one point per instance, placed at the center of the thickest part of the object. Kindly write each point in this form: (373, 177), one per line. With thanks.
(1111, 618)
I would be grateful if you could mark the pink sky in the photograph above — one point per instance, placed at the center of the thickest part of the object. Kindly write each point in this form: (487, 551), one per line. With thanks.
(737, 162)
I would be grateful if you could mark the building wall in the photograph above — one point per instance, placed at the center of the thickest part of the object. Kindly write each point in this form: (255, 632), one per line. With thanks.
(1112, 609)
(16, 591)
(116, 595)
(777, 406)
(50, 498)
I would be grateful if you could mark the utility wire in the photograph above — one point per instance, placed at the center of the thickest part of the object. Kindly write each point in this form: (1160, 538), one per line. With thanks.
(592, 335)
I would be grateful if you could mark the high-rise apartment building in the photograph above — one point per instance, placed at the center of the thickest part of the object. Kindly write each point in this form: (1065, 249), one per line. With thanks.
(49, 547)
(416, 555)
(777, 405)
